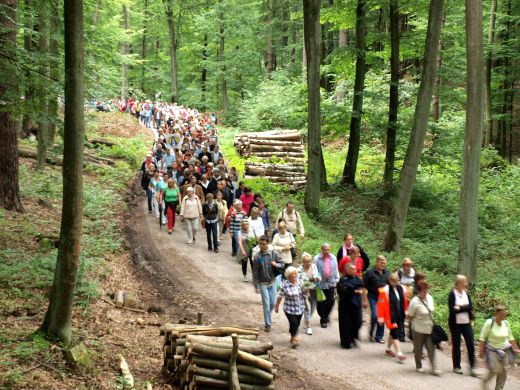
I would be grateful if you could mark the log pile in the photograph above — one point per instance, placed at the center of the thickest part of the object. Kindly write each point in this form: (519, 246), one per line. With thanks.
(292, 174)
(286, 144)
(208, 357)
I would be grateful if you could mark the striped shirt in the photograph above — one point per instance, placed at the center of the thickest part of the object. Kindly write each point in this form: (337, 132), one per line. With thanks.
(294, 300)
(235, 220)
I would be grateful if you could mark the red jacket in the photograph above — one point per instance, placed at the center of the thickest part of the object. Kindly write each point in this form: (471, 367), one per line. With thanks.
(383, 306)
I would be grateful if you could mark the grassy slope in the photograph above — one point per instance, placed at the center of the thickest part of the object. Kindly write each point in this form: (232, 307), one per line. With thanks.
(431, 236)
(27, 260)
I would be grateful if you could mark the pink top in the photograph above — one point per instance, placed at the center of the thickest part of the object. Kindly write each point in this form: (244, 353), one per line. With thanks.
(246, 202)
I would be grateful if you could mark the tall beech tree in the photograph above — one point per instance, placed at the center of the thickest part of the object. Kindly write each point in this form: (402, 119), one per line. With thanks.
(397, 222)
(172, 38)
(489, 71)
(43, 122)
(469, 188)
(312, 34)
(57, 322)
(9, 186)
(350, 168)
(393, 102)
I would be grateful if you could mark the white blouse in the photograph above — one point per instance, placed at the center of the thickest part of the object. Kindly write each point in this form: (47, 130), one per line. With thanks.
(461, 299)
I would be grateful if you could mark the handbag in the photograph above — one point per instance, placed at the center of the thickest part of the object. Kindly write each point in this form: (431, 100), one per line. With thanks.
(320, 296)
(438, 333)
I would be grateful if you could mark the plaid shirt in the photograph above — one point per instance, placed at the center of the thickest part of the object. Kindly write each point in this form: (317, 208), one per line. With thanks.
(294, 300)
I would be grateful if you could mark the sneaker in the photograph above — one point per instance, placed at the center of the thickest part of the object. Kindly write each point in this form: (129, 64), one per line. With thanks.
(323, 325)
(474, 373)
(382, 341)
(458, 371)
(436, 372)
(420, 370)
(245, 279)
(309, 331)
(401, 358)
(267, 329)
(390, 353)
(190, 242)
(372, 339)
(215, 250)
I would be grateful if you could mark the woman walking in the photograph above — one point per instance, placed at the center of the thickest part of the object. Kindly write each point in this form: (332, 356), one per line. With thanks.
(294, 304)
(391, 309)
(309, 276)
(246, 243)
(498, 346)
(461, 315)
(420, 312)
(171, 200)
(222, 211)
(210, 213)
(284, 242)
(191, 212)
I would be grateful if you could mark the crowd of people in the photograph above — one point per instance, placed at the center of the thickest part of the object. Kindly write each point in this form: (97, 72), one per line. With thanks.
(186, 174)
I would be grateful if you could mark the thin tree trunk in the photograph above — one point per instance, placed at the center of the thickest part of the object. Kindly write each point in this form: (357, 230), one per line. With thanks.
(125, 50)
(97, 13)
(397, 221)
(57, 322)
(343, 38)
(224, 102)
(489, 71)
(27, 122)
(311, 33)
(393, 103)
(506, 86)
(55, 75)
(349, 170)
(168, 5)
(9, 186)
(143, 45)
(204, 72)
(469, 188)
(436, 100)
(43, 125)
(270, 42)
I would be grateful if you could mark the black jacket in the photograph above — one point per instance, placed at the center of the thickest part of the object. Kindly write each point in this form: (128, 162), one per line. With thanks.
(210, 211)
(453, 312)
(364, 256)
(374, 280)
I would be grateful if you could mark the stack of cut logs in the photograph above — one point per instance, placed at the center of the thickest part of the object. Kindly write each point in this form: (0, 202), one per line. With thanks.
(286, 144)
(292, 174)
(209, 357)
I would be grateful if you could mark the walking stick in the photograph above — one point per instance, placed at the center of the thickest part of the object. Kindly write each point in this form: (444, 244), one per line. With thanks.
(160, 214)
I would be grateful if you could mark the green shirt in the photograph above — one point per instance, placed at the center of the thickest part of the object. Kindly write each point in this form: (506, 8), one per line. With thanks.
(498, 336)
(171, 194)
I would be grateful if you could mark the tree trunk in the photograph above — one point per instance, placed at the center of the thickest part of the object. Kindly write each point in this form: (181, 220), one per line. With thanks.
(224, 102)
(311, 33)
(168, 5)
(395, 231)
(270, 42)
(489, 71)
(55, 75)
(343, 38)
(436, 100)
(393, 103)
(349, 170)
(43, 125)
(57, 322)
(28, 36)
(97, 13)
(204, 72)
(9, 187)
(143, 45)
(125, 50)
(469, 188)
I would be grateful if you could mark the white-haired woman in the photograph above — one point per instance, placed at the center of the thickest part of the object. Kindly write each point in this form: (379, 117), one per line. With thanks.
(191, 212)
(294, 304)
(309, 275)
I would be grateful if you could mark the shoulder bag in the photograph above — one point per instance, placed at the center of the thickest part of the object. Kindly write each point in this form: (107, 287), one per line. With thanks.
(438, 333)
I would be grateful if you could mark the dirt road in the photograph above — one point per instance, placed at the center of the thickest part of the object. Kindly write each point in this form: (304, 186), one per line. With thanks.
(214, 284)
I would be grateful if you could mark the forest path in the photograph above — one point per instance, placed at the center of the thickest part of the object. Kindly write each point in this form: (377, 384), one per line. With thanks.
(215, 283)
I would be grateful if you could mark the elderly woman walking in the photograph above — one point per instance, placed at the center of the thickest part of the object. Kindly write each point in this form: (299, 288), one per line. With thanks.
(246, 242)
(498, 346)
(294, 304)
(191, 212)
(284, 242)
(309, 276)
(461, 315)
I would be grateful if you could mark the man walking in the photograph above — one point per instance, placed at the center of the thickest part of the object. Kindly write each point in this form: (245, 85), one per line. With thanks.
(328, 268)
(374, 279)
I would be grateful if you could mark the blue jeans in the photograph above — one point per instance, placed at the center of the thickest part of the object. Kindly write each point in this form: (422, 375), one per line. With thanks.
(149, 195)
(234, 242)
(211, 232)
(268, 293)
(380, 329)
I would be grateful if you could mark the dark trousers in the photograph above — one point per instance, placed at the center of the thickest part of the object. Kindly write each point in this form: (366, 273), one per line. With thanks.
(234, 243)
(294, 323)
(349, 321)
(212, 232)
(244, 265)
(466, 331)
(324, 308)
